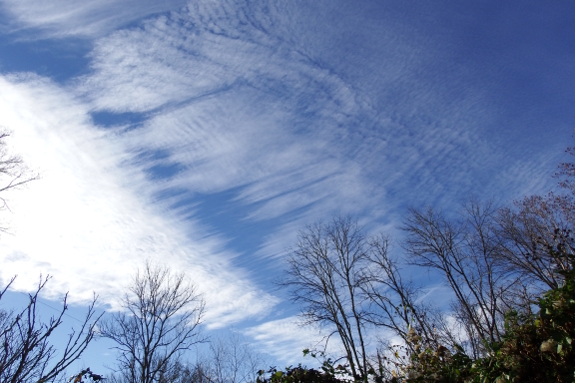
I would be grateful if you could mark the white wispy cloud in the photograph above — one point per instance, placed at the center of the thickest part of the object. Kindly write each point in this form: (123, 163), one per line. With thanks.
(227, 110)
(76, 18)
(286, 339)
(89, 222)
(237, 105)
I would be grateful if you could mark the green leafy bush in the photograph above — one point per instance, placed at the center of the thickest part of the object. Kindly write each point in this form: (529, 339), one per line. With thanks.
(535, 348)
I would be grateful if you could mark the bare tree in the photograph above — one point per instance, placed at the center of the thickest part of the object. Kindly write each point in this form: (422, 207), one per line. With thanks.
(465, 253)
(350, 283)
(526, 233)
(13, 171)
(536, 234)
(325, 273)
(161, 321)
(396, 304)
(231, 360)
(26, 354)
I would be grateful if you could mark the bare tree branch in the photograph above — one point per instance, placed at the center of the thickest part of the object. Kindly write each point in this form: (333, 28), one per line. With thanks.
(26, 353)
(161, 320)
(325, 273)
(466, 254)
(13, 171)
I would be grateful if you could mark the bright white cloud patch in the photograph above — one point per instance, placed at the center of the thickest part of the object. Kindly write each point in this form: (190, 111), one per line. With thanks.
(89, 221)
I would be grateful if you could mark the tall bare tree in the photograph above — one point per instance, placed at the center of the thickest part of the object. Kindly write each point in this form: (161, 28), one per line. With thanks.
(465, 252)
(26, 352)
(395, 301)
(325, 273)
(527, 231)
(161, 318)
(534, 226)
(350, 283)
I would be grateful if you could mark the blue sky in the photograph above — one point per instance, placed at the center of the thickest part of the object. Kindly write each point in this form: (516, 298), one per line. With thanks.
(205, 134)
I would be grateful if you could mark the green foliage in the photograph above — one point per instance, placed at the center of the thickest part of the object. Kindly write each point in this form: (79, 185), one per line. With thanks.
(435, 364)
(296, 375)
(327, 373)
(535, 348)
(330, 372)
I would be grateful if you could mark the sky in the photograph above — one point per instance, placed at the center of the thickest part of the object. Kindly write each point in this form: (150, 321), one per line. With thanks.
(203, 135)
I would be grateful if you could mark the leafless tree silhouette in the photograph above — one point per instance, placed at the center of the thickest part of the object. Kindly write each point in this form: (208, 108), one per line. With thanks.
(161, 320)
